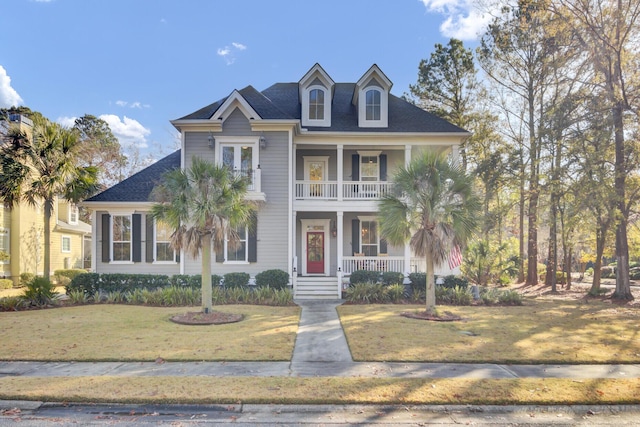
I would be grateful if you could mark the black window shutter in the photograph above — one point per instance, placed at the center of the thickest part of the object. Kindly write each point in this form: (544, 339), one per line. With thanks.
(137, 237)
(106, 233)
(355, 235)
(383, 167)
(149, 240)
(383, 246)
(355, 167)
(253, 241)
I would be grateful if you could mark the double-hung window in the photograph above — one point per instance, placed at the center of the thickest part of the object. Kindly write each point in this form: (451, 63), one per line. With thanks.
(373, 104)
(121, 238)
(369, 167)
(73, 214)
(316, 104)
(4, 244)
(66, 244)
(369, 240)
(237, 250)
(163, 250)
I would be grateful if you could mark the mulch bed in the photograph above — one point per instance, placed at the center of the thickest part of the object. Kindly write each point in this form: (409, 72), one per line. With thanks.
(200, 318)
(440, 317)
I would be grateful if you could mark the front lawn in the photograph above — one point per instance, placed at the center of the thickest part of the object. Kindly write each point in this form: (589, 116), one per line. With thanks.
(105, 332)
(541, 331)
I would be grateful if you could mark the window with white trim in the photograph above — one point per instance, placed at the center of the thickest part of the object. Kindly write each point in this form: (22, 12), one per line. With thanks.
(238, 252)
(369, 167)
(369, 239)
(241, 156)
(373, 104)
(121, 238)
(66, 244)
(163, 250)
(73, 214)
(4, 244)
(316, 104)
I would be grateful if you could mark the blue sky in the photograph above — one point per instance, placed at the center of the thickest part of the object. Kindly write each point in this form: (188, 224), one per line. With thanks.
(140, 63)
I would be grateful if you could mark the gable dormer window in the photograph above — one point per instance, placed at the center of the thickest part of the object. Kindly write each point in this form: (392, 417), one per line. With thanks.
(373, 104)
(316, 104)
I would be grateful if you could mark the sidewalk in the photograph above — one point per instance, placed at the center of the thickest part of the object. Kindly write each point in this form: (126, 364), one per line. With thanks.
(321, 349)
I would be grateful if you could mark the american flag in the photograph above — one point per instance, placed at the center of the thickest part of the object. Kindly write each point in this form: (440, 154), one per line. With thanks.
(455, 257)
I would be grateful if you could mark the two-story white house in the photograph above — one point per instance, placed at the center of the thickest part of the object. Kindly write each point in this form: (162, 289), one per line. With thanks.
(319, 153)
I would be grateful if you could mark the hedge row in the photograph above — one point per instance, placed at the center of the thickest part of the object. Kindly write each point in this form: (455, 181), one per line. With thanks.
(94, 283)
(418, 280)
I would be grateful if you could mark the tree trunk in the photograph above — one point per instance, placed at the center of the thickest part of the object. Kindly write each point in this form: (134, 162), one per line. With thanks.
(47, 239)
(601, 233)
(552, 258)
(567, 266)
(521, 203)
(623, 285)
(430, 288)
(207, 291)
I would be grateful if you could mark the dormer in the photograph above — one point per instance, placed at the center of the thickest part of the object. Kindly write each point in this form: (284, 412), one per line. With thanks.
(371, 98)
(316, 95)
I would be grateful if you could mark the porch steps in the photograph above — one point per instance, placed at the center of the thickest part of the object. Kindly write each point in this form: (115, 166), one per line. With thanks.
(317, 288)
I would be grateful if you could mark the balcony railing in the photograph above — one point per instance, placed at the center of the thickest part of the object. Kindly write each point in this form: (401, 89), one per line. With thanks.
(252, 174)
(352, 190)
(372, 263)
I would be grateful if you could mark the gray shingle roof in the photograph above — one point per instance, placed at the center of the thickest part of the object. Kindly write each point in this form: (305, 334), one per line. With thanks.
(281, 101)
(137, 188)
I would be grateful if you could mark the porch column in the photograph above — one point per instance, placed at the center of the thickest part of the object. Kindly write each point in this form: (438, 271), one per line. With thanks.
(407, 258)
(407, 155)
(339, 249)
(294, 269)
(340, 164)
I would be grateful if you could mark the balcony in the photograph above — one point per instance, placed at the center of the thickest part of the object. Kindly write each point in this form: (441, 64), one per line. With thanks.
(333, 190)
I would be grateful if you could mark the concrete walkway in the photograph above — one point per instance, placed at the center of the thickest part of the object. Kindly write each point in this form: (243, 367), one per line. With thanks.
(320, 350)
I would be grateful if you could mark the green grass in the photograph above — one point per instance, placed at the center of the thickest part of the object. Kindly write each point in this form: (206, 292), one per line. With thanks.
(105, 332)
(542, 331)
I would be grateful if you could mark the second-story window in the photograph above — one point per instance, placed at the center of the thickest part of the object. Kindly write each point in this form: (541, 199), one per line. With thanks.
(73, 214)
(369, 170)
(373, 104)
(316, 104)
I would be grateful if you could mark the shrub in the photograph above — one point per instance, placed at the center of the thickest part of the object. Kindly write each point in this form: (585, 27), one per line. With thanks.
(78, 297)
(125, 282)
(70, 273)
(418, 280)
(489, 296)
(392, 278)
(115, 297)
(452, 281)
(276, 279)
(510, 298)
(364, 276)
(395, 293)
(26, 278)
(238, 294)
(634, 273)
(236, 280)
(366, 293)
(86, 282)
(6, 283)
(13, 303)
(461, 296)
(40, 292)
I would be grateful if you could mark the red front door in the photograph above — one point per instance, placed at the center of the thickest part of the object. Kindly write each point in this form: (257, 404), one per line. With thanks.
(315, 252)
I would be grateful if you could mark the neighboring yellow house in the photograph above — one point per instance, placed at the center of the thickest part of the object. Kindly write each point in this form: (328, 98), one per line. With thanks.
(22, 232)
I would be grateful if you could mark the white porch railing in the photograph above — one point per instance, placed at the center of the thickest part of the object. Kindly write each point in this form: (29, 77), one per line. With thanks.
(365, 190)
(372, 263)
(353, 190)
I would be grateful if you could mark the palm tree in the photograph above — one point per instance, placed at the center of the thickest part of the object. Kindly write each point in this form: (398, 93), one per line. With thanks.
(41, 168)
(204, 204)
(432, 205)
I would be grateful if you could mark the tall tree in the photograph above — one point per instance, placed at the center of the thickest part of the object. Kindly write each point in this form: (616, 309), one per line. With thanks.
(101, 149)
(39, 169)
(516, 53)
(608, 32)
(204, 205)
(447, 86)
(432, 205)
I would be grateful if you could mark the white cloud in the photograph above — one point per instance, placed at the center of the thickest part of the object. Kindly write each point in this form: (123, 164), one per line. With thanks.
(128, 131)
(228, 53)
(464, 19)
(136, 104)
(8, 95)
(67, 121)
